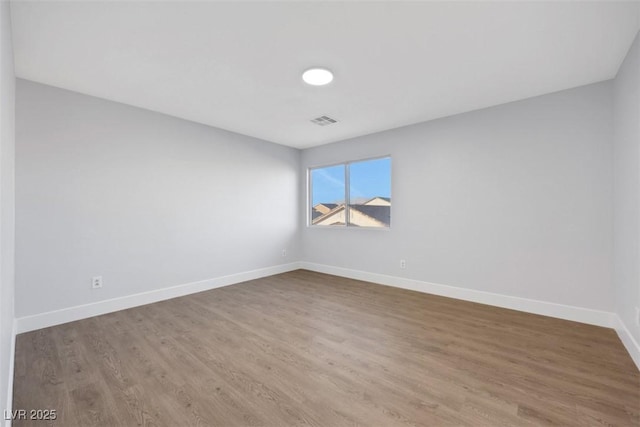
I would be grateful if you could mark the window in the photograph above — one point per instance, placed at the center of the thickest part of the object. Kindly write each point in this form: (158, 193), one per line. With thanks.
(355, 194)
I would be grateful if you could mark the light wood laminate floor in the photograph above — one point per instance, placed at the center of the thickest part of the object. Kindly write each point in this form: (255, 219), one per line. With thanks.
(304, 348)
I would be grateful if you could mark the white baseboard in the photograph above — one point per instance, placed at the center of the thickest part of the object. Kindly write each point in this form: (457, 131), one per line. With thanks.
(561, 311)
(57, 317)
(9, 404)
(632, 346)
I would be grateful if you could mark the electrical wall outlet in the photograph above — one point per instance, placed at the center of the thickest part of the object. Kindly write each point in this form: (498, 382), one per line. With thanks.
(403, 263)
(284, 253)
(96, 282)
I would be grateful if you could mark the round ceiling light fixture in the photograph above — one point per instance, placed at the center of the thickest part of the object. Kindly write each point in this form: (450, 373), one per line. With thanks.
(317, 76)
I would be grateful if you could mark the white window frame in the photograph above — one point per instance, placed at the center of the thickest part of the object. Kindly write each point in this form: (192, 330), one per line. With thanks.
(347, 195)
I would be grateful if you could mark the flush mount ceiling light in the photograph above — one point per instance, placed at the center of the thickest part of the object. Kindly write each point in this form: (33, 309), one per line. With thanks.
(317, 76)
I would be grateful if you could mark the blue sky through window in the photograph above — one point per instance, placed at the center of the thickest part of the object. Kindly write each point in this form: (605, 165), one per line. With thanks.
(368, 178)
(328, 184)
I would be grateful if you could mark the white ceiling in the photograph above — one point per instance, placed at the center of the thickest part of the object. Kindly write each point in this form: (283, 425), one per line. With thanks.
(237, 65)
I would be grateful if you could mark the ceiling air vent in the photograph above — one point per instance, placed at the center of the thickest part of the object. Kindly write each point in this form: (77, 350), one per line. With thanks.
(324, 121)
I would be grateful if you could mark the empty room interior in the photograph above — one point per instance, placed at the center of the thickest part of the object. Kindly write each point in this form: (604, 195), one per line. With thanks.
(327, 213)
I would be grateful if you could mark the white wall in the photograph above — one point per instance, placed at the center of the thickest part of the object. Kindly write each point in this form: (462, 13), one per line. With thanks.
(145, 200)
(7, 206)
(514, 200)
(627, 189)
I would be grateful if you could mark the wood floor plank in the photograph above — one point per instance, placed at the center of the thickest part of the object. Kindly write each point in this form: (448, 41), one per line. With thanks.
(304, 348)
